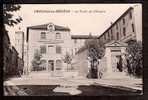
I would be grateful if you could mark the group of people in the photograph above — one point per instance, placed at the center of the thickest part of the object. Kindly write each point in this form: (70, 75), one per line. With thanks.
(123, 64)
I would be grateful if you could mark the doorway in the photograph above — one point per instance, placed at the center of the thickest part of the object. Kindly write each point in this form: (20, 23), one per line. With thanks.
(115, 54)
(51, 65)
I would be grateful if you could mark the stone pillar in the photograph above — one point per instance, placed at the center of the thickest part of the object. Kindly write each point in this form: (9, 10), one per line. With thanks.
(108, 56)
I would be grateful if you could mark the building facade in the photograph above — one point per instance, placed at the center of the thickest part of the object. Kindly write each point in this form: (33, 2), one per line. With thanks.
(52, 41)
(126, 28)
(115, 39)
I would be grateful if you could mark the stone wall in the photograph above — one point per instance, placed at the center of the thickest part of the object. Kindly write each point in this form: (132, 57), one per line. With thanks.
(80, 63)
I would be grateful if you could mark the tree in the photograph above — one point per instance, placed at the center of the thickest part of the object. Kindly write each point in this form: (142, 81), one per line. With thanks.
(95, 52)
(134, 58)
(67, 59)
(8, 16)
(36, 62)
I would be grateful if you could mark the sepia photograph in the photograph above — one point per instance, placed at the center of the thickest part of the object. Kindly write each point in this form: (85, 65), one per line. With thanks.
(72, 50)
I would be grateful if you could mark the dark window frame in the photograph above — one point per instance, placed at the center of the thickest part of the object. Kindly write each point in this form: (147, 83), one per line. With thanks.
(123, 21)
(58, 35)
(75, 41)
(117, 35)
(43, 49)
(117, 26)
(43, 35)
(130, 15)
(124, 31)
(58, 49)
(111, 31)
(133, 28)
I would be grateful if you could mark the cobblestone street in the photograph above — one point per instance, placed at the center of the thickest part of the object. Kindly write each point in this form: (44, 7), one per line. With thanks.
(60, 86)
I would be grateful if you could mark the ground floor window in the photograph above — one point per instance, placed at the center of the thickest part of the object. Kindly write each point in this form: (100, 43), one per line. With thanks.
(58, 64)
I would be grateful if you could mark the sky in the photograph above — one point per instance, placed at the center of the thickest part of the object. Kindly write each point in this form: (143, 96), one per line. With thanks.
(82, 19)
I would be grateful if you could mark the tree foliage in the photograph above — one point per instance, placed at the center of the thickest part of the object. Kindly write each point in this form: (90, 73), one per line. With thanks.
(36, 62)
(134, 58)
(8, 16)
(95, 52)
(67, 59)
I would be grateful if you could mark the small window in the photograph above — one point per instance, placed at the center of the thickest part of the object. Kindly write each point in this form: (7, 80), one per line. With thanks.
(43, 49)
(43, 35)
(130, 15)
(58, 64)
(104, 36)
(75, 40)
(111, 34)
(124, 31)
(133, 29)
(58, 36)
(58, 49)
(116, 26)
(123, 21)
(108, 35)
(117, 35)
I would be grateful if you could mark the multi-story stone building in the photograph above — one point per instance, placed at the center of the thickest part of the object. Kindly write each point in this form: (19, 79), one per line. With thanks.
(115, 39)
(126, 28)
(52, 41)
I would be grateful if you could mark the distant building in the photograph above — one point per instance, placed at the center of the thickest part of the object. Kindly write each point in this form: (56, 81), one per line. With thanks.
(79, 41)
(19, 43)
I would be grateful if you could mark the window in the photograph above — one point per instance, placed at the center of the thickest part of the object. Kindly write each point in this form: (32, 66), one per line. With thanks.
(43, 49)
(75, 40)
(43, 35)
(124, 31)
(116, 26)
(58, 36)
(123, 21)
(133, 29)
(111, 34)
(58, 49)
(130, 15)
(58, 64)
(104, 36)
(108, 36)
(51, 49)
(117, 35)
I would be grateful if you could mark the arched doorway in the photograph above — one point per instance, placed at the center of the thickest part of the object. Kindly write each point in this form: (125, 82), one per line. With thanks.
(43, 64)
(50, 65)
(58, 64)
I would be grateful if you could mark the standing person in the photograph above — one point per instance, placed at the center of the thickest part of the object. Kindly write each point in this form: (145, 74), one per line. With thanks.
(119, 64)
(94, 69)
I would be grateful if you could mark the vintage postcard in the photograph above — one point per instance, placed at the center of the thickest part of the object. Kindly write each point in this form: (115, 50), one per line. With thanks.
(72, 49)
